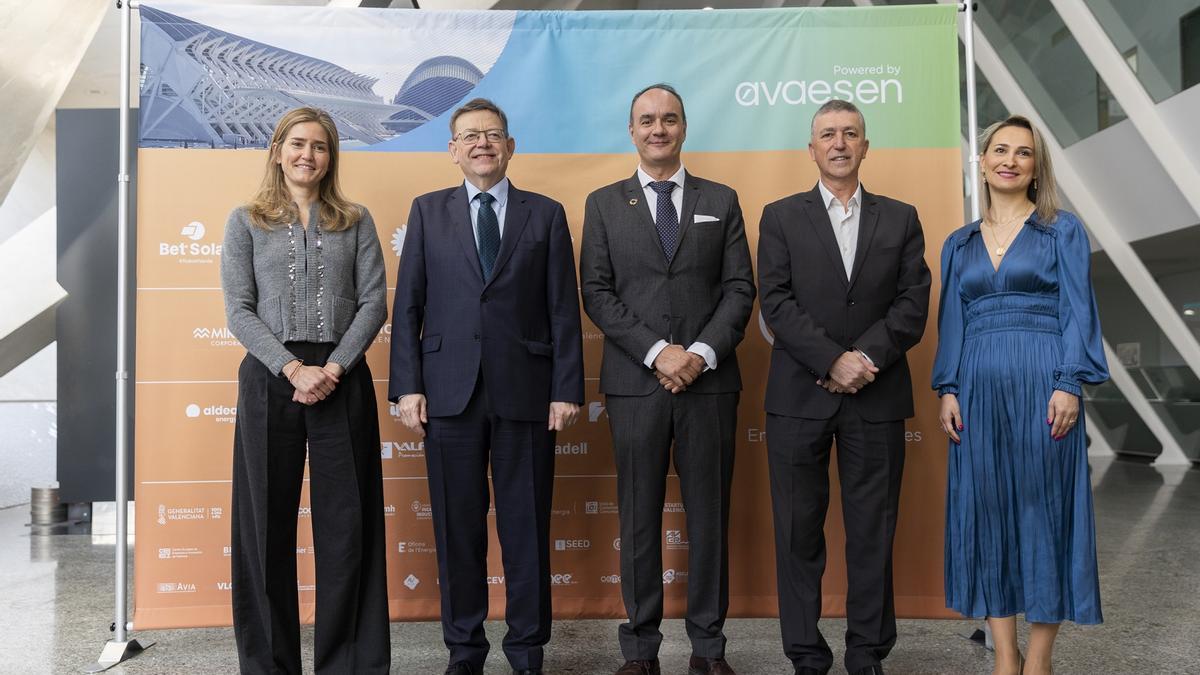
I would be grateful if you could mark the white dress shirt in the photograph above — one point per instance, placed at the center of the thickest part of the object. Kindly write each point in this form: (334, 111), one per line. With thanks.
(500, 206)
(844, 220)
(704, 351)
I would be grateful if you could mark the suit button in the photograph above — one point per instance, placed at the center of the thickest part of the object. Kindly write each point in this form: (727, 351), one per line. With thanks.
(477, 337)
(850, 301)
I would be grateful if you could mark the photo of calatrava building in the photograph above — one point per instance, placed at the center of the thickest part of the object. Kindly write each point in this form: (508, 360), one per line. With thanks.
(204, 87)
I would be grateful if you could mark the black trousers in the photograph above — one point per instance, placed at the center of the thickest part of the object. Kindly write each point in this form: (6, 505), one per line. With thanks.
(703, 430)
(870, 463)
(346, 494)
(458, 451)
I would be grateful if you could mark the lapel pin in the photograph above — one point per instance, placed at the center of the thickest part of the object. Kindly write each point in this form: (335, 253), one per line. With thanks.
(633, 202)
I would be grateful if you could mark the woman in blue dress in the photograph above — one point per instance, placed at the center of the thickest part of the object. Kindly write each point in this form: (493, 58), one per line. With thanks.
(1018, 335)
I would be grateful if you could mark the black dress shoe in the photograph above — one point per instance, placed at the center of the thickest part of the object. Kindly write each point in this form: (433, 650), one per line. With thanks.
(870, 670)
(647, 667)
(699, 665)
(462, 668)
(809, 670)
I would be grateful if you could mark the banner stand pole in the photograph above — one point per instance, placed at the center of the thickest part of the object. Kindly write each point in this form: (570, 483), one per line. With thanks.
(971, 182)
(121, 648)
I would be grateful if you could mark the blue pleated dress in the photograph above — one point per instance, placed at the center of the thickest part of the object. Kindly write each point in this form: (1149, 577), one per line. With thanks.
(1020, 534)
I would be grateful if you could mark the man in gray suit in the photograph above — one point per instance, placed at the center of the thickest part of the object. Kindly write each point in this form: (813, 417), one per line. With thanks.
(665, 273)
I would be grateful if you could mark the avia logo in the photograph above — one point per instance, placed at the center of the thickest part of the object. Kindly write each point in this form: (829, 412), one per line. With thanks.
(411, 582)
(176, 587)
(222, 333)
(398, 239)
(595, 409)
(193, 230)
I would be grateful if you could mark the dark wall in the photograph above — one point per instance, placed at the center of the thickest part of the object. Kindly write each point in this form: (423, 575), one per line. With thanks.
(87, 142)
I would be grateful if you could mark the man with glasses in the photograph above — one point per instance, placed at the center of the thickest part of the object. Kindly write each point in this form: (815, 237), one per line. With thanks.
(487, 364)
(666, 275)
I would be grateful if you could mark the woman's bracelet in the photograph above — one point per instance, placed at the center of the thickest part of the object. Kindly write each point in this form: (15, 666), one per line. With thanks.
(298, 362)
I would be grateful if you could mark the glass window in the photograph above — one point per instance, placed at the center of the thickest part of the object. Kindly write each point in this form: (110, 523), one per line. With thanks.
(1042, 55)
(1164, 41)
(1171, 387)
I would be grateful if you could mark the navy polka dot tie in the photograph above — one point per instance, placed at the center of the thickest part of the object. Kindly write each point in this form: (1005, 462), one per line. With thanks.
(666, 220)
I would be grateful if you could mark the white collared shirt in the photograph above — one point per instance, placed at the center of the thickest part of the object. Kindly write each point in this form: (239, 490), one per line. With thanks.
(844, 220)
(652, 196)
(704, 351)
(500, 206)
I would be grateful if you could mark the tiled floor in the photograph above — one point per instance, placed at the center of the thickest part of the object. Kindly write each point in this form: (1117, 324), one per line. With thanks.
(57, 605)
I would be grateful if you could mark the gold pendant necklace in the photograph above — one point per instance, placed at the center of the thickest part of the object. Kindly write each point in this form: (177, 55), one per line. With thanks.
(1002, 246)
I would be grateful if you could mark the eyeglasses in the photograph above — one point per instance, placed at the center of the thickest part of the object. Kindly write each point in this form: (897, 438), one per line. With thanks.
(472, 136)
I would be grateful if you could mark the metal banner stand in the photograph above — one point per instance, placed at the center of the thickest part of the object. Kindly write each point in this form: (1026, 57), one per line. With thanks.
(982, 635)
(121, 648)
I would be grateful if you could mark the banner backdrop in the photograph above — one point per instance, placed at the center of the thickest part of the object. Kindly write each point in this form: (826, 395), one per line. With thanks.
(214, 80)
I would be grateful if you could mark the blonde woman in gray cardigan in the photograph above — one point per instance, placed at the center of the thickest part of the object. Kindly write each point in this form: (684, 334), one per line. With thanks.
(305, 293)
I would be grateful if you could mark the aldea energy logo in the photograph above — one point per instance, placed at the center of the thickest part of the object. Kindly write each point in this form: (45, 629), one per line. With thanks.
(222, 414)
(191, 249)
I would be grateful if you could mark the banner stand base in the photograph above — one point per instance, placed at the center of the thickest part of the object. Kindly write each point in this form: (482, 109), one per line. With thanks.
(983, 636)
(115, 652)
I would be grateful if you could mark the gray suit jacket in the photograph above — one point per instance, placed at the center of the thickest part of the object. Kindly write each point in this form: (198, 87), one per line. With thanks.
(636, 299)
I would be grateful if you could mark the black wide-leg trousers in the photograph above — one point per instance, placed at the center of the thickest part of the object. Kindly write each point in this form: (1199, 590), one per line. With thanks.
(870, 459)
(340, 437)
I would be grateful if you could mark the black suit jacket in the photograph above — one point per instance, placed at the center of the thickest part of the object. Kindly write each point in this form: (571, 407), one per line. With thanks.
(817, 314)
(636, 298)
(521, 328)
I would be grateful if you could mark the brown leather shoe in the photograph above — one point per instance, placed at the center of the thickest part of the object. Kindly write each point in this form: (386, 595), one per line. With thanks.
(640, 668)
(699, 665)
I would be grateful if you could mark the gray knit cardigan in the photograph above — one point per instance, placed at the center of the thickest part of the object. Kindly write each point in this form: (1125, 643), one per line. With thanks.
(292, 285)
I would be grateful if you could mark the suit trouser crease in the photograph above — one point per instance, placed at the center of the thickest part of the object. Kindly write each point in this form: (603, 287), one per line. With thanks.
(459, 450)
(702, 427)
(870, 466)
(340, 437)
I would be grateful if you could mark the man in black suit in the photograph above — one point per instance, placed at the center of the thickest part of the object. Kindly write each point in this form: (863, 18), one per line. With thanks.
(845, 290)
(487, 364)
(665, 273)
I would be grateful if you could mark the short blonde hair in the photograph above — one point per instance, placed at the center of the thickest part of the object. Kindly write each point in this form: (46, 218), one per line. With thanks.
(1043, 189)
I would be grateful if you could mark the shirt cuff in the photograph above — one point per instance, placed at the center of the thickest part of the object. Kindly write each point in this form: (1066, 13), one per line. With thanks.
(654, 352)
(705, 352)
(864, 355)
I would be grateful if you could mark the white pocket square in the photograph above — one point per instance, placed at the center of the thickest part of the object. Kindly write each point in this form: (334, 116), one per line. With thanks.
(705, 219)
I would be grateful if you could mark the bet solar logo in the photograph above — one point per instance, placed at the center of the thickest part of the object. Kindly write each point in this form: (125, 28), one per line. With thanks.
(193, 230)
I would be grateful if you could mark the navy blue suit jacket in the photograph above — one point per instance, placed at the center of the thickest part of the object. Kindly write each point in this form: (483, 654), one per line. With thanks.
(521, 328)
